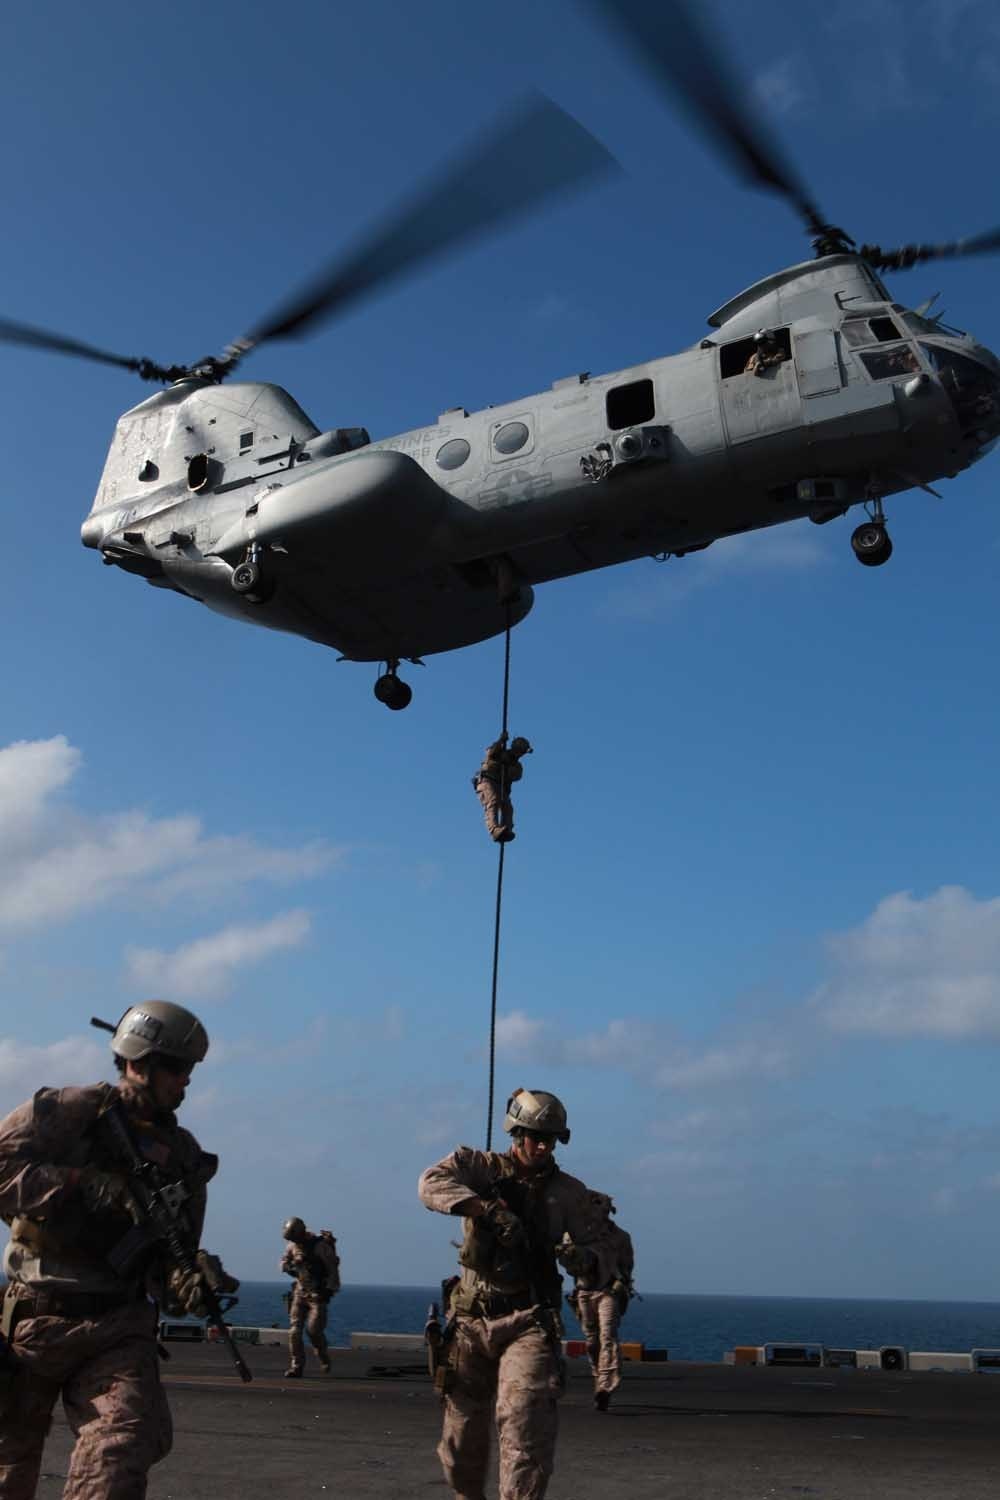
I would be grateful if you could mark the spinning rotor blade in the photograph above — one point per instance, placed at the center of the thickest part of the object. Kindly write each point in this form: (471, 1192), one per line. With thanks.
(540, 151)
(911, 255)
(39, 338)
(676, 49)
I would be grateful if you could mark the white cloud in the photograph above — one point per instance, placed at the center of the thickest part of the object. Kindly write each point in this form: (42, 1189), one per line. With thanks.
(751, 1058)
(652, 1052)
(518, 1036)
(789, 548)
(918, 968)
(25, 1067)
(206, 969)
(781, 87)
(30, 773)
(59, 862)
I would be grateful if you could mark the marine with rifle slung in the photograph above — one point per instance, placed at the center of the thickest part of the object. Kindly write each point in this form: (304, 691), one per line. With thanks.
(313, 1261)
(503, 1334)
(105, 1197)
(604, 1287)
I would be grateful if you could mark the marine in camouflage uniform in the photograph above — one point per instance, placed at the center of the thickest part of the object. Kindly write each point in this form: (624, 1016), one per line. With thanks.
(503, 1338)
(767, 354)
(601, 1297)
(313, 1260)
(501, 767)
(75, 1327)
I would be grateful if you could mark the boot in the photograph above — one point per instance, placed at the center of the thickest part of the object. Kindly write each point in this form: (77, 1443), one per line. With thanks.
(294, 1372)
(324, 1363)
(601, 1400)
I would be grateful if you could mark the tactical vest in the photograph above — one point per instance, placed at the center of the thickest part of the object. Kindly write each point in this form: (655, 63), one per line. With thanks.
(529, 1268)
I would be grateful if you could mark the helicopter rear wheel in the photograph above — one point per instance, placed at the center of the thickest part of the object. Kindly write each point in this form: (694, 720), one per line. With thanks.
(392, 692)
(872, 544)
(249, 582)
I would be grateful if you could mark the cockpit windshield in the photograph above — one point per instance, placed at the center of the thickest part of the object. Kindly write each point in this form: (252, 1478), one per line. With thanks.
(974, 390)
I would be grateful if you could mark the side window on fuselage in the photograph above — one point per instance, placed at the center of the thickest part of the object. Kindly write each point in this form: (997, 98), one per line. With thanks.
(734, 357)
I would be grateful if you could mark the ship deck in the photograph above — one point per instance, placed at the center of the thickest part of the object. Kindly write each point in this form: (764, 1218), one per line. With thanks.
(689, 1431)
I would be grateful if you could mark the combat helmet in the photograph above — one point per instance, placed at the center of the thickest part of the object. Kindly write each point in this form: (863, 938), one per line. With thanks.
(535, 1109)
(293, 1229)
(159, 1026)
(520, 746)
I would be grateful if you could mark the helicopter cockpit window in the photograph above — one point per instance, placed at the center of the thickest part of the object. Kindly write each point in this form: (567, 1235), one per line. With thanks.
(629, 405)
(453, 455)
(870, 331)
(883, 364)
(974, 390)
(246, 441)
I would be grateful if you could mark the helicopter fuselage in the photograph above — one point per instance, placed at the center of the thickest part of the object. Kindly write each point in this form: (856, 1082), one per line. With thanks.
(403, 547)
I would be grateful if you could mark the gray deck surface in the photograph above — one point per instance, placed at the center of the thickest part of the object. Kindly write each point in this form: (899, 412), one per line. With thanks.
(675, 1430)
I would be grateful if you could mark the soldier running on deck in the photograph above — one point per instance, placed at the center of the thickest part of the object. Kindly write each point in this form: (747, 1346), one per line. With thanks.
(505, 1331)
(313, 1261)
(601, 1297)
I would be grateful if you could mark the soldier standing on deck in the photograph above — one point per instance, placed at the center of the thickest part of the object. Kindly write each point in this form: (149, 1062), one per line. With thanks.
(313, 1261)
(601, 1297)
(504, 1329)
(75, 1327)
(501, 767)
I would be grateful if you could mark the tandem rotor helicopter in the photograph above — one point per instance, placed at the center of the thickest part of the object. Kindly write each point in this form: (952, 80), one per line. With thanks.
(814, 391)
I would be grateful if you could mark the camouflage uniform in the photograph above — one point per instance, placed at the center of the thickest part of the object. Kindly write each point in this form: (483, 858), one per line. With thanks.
(504, 1339)
(75, 1327)
(767, 354)
(314, 1263)
(600, 1300)
(501, 767)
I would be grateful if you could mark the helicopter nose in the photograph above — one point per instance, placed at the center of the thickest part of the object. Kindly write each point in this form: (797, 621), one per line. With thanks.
(92, 532)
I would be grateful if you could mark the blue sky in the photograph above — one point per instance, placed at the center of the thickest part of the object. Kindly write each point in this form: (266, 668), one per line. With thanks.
(752, 916)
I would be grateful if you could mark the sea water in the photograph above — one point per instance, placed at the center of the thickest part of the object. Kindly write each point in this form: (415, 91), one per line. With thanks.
(696, 1328)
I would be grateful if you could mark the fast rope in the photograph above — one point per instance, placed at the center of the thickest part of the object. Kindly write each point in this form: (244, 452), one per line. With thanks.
(496, 920)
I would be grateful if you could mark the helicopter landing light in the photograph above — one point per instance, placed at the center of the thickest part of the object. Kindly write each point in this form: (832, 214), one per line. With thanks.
(920, 385)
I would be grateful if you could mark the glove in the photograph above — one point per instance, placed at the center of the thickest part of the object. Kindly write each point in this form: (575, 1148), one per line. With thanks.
(576, 1260)
(622, 1296)
(106, 1192)
(506, 1226)
(187, 1288)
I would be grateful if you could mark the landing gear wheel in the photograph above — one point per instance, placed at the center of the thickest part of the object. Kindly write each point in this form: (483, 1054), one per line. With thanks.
(249, 581)
(393, 693)
(872, 544)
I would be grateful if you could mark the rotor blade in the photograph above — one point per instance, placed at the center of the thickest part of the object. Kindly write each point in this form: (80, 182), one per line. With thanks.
(676, 49)
(39, 338)
(911, 255)
(538, 152)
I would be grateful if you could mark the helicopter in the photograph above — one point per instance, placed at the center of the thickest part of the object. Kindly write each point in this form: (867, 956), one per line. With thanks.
(815, 391)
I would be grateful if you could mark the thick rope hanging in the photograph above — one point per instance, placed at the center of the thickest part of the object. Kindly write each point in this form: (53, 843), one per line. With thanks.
(496, 919)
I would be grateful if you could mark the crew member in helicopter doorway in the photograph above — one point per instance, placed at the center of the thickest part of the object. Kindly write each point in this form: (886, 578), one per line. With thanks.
(766, 355)
(500, 768)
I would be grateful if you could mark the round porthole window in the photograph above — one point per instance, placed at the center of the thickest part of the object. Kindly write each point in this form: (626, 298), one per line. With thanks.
(453, 455)
(511, 437)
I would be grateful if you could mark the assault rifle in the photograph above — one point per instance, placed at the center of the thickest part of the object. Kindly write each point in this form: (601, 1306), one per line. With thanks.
(161, 1222)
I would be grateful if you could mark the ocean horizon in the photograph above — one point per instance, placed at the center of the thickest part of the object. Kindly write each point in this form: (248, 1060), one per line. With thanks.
(691, 1327)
